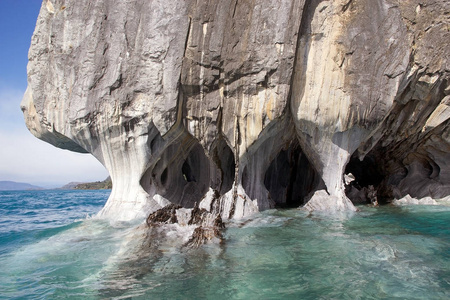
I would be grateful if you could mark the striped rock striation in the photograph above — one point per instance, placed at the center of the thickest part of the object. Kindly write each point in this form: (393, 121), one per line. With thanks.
(241, 106)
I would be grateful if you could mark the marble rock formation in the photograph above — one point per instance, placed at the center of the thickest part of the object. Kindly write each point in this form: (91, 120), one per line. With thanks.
(242, 106)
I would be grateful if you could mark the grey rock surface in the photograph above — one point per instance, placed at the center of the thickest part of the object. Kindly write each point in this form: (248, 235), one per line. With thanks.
(242, 106)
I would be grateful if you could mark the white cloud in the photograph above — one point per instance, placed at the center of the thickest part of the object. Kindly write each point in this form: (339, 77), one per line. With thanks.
(25, 158)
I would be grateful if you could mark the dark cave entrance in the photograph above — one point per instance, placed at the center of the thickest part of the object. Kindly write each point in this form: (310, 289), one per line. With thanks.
(364, 180)
(223, 158)
(195, 176)
(181, 174)
(290, 177)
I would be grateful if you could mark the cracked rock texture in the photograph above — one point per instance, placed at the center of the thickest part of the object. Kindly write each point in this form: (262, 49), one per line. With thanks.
(238, 106)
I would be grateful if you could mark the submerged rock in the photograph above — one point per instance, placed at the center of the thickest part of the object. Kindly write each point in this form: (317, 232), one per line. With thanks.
(206, 226)
(242, 107)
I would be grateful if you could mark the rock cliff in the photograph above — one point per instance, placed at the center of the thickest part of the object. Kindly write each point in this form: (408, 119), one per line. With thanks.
(240, 106)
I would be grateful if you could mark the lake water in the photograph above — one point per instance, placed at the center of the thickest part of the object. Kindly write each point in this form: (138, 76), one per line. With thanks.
(51, 249)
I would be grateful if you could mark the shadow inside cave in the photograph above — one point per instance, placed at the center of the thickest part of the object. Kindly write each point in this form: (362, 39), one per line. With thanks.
(290, 177)
(183, 173)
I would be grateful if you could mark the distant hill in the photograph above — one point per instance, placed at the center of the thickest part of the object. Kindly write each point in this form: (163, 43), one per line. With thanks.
(17, 186)
(71, 185)
(98, 185)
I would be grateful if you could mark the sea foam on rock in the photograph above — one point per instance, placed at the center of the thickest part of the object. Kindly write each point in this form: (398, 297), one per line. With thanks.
(407, 200)
(207, 226)
(242, 107)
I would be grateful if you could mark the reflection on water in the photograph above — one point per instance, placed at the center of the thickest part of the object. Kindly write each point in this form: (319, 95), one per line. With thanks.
(386, 252)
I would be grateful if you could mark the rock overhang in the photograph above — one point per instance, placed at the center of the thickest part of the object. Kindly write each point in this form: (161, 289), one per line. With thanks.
(205, 102)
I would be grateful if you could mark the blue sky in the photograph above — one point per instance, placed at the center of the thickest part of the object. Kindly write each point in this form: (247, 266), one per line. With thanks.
(23, 157)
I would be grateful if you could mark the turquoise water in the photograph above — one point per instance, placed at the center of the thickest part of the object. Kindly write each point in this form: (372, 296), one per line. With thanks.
(51, 249)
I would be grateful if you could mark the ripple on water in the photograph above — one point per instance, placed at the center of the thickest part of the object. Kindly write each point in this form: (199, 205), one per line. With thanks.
(386, 252)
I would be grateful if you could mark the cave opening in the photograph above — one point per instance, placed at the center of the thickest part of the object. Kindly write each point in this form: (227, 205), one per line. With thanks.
(290, 177)
(194, 179)
(363, 179)
(181, 174)
(187, 172)
(223, 158)
(163, 176)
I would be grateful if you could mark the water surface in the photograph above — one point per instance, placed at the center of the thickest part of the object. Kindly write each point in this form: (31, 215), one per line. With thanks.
(49, 249)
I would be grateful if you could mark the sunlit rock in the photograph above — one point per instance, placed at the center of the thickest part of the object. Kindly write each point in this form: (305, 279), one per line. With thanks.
(407, 200)
(241, 107)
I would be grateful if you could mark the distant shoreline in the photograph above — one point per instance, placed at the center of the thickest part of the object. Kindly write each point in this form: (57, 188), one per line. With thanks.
(97, 185)
(22, 186)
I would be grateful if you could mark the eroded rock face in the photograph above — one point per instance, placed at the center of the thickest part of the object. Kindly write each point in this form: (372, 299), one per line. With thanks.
(243, 106)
